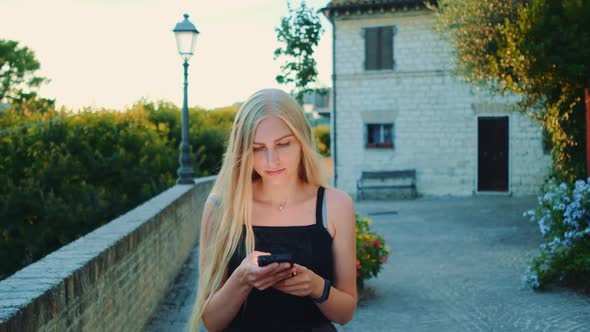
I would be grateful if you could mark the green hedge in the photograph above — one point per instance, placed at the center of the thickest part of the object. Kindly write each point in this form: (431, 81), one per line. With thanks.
(62, 174)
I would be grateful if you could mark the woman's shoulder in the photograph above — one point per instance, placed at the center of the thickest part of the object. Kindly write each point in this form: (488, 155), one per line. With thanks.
(338, 198)
(340, 212)
(340, 208)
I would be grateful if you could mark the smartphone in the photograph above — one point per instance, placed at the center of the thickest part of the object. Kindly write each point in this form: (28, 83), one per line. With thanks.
(265, 260)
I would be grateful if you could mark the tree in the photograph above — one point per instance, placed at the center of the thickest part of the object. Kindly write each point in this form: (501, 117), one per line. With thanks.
(538, 49)
(300, 33)
(475, 30)
(18, 66)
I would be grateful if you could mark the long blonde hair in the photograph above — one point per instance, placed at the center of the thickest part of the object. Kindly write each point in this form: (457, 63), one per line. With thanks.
(233, 186)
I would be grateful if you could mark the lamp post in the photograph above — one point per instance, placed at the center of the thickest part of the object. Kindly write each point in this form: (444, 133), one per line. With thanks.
(186, 38)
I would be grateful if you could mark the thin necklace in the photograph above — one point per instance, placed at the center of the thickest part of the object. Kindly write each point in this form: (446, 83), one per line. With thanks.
(282, 206)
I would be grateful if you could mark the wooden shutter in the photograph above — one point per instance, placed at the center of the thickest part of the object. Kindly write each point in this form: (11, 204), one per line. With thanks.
(386, 49)
(371, 48)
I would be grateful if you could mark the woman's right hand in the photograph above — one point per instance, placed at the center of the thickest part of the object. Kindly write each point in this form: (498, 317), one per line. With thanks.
(262, 277)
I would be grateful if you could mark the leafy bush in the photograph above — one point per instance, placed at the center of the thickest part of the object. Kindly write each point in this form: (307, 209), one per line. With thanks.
(371, 251)
(563, 217)
(63, 174)
(322, 139)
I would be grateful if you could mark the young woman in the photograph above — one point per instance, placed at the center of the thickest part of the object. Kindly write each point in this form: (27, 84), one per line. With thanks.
(270, 198)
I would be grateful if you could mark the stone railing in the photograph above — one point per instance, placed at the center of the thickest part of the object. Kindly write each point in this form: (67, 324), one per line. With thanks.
(113, 278)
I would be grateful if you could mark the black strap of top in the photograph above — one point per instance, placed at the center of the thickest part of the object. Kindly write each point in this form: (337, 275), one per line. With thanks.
(318, 206)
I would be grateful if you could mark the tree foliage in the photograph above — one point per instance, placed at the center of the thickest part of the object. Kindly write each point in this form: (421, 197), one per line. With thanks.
(538, 49)
(62, 174)
(475, 31)
(300, 33)
(18, 66)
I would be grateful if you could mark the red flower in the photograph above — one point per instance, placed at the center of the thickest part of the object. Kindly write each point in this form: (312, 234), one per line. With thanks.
(384, 259)
(377, 243)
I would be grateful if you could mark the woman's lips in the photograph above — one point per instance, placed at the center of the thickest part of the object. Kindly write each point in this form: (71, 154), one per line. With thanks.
(274, 173)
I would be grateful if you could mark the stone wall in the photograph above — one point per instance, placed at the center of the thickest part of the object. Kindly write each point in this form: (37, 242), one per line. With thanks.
(434, 113)
(113, 278)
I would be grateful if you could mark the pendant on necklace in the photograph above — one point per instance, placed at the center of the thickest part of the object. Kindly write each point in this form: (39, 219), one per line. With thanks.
(281, 207)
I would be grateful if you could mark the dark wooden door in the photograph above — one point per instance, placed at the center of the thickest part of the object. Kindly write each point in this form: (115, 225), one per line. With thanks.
(492, 154)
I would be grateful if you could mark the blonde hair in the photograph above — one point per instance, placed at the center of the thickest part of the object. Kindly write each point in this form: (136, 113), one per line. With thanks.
(233, 186)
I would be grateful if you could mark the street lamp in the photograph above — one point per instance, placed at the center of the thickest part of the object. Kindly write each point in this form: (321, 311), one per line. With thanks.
(186, 38)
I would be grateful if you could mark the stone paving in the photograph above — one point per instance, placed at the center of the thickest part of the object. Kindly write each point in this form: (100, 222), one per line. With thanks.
(456, 265)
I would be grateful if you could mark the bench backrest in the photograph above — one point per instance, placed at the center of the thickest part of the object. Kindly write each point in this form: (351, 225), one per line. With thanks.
(410, 173)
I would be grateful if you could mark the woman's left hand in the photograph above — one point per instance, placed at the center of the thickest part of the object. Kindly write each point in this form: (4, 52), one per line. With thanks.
(304, 282)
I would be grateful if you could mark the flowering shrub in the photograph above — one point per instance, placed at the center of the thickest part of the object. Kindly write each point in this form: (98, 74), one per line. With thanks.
(563, 216)
(371, 252)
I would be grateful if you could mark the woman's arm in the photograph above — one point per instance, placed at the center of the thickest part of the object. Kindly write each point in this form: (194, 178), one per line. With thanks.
(225, 303)
(213, 318)
(342, 301)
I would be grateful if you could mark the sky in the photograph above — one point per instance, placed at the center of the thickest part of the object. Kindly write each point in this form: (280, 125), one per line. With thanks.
(112, 53)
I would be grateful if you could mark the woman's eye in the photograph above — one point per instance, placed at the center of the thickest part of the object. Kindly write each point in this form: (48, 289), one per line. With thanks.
(263, 147)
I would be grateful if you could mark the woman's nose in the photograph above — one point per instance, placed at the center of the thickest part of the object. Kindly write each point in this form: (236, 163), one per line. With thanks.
(272, 156)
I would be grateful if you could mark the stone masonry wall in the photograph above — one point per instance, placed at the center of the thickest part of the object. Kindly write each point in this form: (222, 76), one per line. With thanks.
(434, 113)
(113, 278)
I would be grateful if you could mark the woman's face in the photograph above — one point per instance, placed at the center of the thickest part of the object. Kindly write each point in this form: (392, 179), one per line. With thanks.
(276, 151)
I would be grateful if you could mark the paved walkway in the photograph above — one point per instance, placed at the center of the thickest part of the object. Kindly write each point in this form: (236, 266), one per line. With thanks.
(456, 265)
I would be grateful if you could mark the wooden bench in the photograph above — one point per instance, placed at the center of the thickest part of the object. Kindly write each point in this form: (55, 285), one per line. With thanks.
(376, 180)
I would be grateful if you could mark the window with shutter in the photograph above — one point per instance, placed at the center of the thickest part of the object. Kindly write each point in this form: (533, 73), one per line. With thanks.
(379, 48)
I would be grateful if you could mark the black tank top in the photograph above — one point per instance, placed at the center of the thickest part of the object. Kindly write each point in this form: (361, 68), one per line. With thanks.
(273, 310)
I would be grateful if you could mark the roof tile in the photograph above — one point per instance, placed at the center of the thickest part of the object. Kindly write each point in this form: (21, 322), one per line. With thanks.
(347, 7)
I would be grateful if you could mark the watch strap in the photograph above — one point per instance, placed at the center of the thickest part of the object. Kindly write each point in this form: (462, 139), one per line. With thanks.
(325, 292)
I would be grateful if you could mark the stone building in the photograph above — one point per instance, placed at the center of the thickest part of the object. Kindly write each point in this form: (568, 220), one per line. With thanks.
(398, 106)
